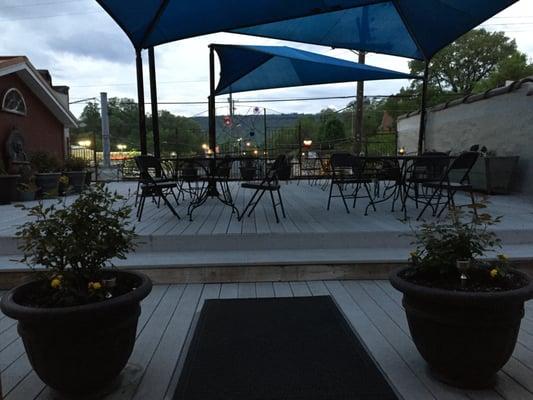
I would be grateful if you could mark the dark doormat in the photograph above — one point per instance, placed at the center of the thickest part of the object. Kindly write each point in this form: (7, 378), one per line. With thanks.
(284, 348)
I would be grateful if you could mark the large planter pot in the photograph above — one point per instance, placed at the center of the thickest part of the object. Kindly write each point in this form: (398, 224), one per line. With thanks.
(79, 349)
(8, 188)
(47, 183)
(23, 195)
(76, 180)
(493, 174)
(465, 337)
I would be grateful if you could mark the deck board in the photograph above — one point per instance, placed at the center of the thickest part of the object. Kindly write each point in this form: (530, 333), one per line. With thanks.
(373, 309)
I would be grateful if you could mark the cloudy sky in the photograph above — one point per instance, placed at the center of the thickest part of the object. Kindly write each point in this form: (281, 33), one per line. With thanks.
(84, 49)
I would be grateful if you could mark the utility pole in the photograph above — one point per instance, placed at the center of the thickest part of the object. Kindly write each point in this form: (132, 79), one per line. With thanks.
(358, 115)
(106, 144)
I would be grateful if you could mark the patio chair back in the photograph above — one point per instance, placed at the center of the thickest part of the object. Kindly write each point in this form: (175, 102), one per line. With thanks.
(459, 169)
(149, 167)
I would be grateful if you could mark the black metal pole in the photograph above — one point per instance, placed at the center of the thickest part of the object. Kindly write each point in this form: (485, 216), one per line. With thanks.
(265, 137)
(358, 117)
(300, 150)
(422, 129)
(153, 97)
(140, 102)
(212, 110)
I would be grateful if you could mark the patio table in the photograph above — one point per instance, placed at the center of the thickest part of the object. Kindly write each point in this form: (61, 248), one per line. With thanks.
(400, 188)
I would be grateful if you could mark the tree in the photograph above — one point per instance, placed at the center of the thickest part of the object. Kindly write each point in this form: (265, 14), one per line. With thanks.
(511, 69)
(468, 60)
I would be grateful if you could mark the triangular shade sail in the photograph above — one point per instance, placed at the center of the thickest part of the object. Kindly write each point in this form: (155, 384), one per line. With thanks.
(245, 68)
(409, 28)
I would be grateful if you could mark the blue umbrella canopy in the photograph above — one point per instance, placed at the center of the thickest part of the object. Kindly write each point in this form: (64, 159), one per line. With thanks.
(409, 28)
(245, 68)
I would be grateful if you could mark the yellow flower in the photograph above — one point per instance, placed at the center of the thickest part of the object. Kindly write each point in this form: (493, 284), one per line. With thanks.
(502, 257)
(493, 273)
(95, 285)
(63, 179)
(413, 254)
(55, 283)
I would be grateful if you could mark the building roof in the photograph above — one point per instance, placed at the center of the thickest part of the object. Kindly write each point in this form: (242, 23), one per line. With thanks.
(472, 98)
(22, 67)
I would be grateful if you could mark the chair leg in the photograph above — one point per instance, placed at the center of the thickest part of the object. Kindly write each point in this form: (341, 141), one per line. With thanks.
(141, 207)
(473, 203)
(371, 200)
(281, 204)
(343, 199)
(427, 204)
(330, 192)
(165, 200)
(274, 206)
(256, 203)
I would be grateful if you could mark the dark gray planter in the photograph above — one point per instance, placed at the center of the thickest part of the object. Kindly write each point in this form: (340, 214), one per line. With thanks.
(79, 350)
(8, 188)
(47, 183)
(465, 337)
(493, 174)
(76, 180)
(24, 195)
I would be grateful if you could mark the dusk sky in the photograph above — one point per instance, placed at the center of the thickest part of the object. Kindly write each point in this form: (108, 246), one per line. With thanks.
(84, 49)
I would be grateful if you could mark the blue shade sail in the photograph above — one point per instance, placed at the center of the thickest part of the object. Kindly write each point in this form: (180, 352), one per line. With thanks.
(408, 28)
(245, 68)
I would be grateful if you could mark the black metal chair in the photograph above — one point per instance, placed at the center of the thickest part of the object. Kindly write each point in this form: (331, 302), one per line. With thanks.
(269, 184)
(428, 168)
(154, 183)
(456, 178)
(346, 170)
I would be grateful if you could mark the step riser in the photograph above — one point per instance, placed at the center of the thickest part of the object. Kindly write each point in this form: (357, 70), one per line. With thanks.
(303, 241)
(246, 273)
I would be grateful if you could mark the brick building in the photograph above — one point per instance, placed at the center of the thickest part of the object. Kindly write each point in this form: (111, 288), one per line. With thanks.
(30, 105)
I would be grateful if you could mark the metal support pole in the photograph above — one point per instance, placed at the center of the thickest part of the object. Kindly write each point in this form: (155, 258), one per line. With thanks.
(106, 143)
(422, 129)
(140, 102)
(212, 110)
(300, 146)
(265, 146)
(358, 116)
(153, 97)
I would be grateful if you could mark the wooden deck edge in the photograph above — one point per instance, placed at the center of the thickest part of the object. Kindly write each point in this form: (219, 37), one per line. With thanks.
(255, 273)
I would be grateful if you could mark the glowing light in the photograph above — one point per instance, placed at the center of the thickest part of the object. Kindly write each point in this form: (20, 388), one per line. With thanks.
(308, 142)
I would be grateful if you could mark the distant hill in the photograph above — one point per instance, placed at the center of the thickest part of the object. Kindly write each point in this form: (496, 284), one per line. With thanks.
(244, 125)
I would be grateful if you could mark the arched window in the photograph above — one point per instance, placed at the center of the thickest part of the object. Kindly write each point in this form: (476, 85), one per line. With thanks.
(13, 102)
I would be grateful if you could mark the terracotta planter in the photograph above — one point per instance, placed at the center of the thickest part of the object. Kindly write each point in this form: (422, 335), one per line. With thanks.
(79, 350)
(465, 337)
(8, 188)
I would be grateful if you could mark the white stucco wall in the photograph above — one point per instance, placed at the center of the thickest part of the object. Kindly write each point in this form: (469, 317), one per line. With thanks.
(503, 123)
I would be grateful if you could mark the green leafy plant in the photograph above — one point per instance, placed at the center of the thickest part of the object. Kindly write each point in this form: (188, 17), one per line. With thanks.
(75, 245)
(460, 237)
(44, 162)
(75, 164)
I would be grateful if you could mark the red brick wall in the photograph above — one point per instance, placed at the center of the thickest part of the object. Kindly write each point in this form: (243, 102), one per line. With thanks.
(40, 128)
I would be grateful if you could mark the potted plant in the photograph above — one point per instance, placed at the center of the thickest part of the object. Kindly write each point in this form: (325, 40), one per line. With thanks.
(463, 312)
(75, 170)
(8, 185)
(78, 320)
(47, 172)
(26, 187)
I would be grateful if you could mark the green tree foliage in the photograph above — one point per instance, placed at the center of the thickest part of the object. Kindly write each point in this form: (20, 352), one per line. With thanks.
(468, 60)
(177, 134)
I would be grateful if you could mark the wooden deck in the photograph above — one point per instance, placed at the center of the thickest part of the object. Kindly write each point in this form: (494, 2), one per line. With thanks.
(310, 235)
(373, 309)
